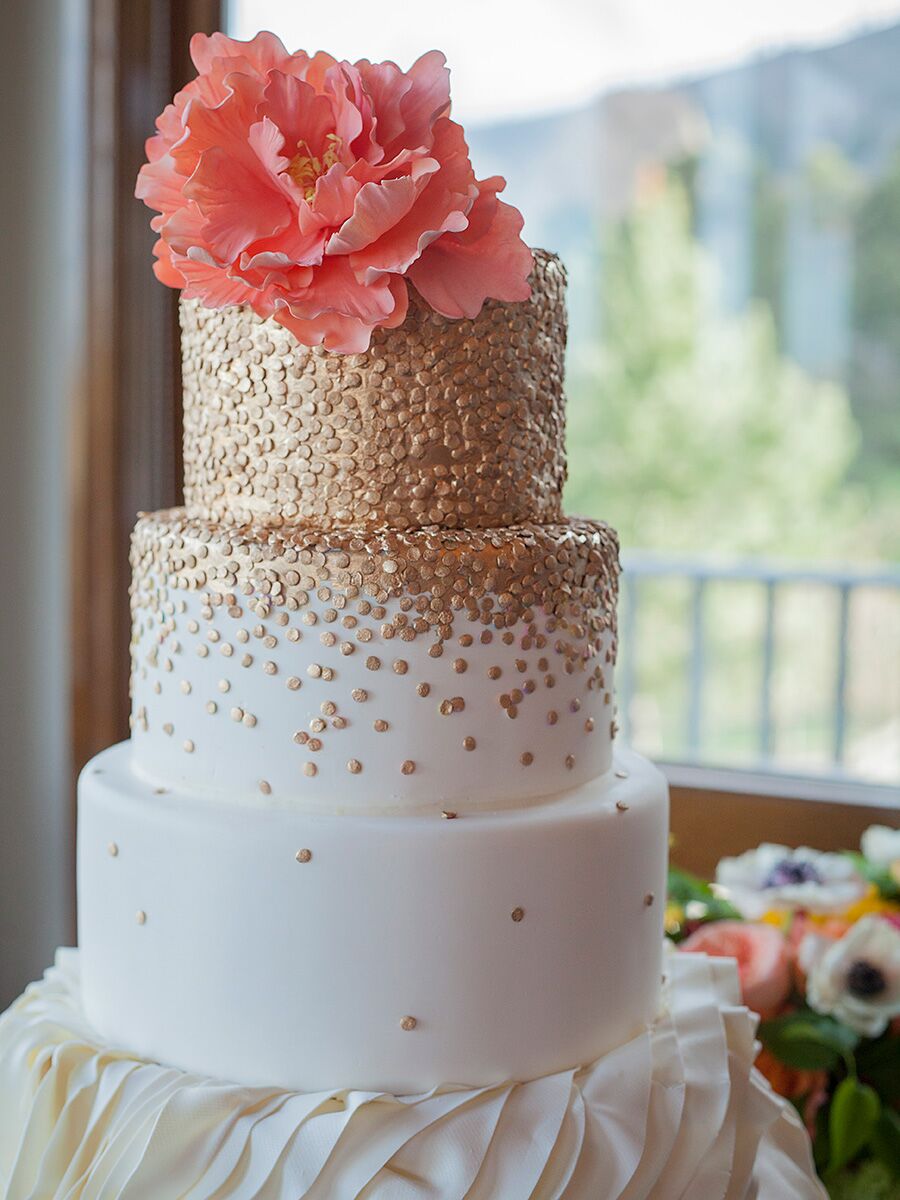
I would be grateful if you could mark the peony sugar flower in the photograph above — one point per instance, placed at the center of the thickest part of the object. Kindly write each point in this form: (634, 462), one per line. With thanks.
(777, 878)
(762, 959)
(315, 191)
(857, 978)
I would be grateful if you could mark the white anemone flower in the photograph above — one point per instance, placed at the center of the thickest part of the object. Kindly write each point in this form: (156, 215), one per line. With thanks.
(855, 979)
(777, 877)
(881, 845)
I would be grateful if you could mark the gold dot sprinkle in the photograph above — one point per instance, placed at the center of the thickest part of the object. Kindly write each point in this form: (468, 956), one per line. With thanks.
(448, 814)
(648, 899)
(621, 806)
(527, 759)
(303, 856)
(400, 666)
(423, 689)
(407, 1024)
(292, 683)
(265, 787)
(517, 914)
(469, 743)
(310, 769)
(354, 766)
(408, 766)
(360, 695)
(380, 726)
(570, 761)
(373, 662)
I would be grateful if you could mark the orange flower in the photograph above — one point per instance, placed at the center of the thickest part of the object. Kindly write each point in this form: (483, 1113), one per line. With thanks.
(761, 955)
(789, 1082)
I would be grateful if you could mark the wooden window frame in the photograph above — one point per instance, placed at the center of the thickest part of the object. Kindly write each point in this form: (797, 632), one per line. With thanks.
(126, 420)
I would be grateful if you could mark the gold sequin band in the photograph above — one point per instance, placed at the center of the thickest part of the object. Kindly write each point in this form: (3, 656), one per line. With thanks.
(445, 580)
(440, 422)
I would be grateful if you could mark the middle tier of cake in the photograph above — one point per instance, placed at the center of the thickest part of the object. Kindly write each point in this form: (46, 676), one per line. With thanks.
(434, 668)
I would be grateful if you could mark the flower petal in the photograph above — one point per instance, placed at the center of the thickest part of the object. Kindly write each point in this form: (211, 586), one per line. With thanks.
(377, 209)
(440, 207)
(302, 115)
(265, 51)
(426, 101)
(459, 271)
(241, 205)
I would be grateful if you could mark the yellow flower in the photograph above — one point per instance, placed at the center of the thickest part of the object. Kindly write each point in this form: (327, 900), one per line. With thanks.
(781, 920)
(872, 904)
(674, 918)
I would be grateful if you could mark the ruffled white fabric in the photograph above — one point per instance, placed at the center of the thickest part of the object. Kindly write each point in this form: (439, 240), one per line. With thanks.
(676, 1114)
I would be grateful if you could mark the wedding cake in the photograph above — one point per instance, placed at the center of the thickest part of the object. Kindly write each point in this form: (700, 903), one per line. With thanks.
(371, 904)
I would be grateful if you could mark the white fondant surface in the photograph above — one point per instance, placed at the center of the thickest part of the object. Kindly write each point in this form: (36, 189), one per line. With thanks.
(563, 721)
(677, 1113)
(252, 966)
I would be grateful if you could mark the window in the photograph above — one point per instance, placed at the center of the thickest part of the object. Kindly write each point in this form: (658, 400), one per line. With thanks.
(724, 188)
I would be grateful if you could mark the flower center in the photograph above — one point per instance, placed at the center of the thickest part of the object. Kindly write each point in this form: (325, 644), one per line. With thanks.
(305, 167)
(790, 871)
(865, 980)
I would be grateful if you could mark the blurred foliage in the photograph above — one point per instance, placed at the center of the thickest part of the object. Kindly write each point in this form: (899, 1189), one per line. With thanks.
(875, 370)
(872, 1181)
(694, 432)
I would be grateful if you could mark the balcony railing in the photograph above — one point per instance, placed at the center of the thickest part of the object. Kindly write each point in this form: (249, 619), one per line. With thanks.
(694, 579)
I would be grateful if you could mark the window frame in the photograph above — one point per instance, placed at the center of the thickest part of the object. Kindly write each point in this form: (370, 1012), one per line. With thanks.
(126, 414)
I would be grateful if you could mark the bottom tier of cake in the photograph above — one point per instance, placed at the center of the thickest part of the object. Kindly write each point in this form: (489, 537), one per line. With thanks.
(677, 1113)
(268, 944)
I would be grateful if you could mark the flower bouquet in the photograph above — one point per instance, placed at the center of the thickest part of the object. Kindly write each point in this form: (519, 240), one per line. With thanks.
(817, 940)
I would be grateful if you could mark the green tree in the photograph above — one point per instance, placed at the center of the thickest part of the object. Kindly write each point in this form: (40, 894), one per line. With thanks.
(688, 429)
(875, 375)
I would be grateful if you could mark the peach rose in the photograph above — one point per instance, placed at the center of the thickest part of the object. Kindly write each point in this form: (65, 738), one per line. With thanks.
(312, 190)
(762, 959)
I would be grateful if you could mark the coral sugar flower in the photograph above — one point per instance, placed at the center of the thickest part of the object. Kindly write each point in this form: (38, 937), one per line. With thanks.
(314, 190)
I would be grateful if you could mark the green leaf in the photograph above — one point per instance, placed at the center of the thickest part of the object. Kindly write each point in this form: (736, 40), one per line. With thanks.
(886, 1141)
(807, 1040)
(878, 1063)
(685, 888)
(888, 887)
(871, 1180)
(854, 1113)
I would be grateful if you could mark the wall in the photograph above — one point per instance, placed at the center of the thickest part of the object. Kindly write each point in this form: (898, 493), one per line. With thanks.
(42, 141)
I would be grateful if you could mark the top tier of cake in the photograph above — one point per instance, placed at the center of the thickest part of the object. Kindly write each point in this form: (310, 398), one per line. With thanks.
(440, 422)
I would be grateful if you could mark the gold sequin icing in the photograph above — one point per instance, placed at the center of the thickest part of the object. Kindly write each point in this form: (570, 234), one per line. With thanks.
(444, 579)
(449, 423)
